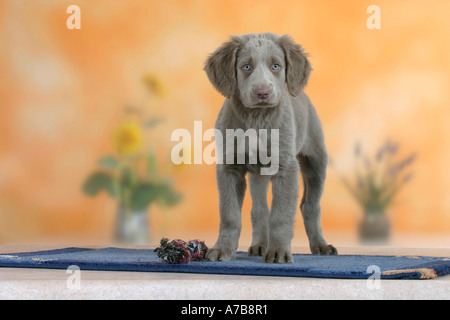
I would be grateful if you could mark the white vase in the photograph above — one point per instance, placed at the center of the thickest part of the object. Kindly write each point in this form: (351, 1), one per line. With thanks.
(132, 227)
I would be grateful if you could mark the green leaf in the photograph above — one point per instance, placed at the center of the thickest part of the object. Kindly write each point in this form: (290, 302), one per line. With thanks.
(146, 193)
(151, 163)
(127, 178)
(99, 181)
(150, 123)
(131, 109)
(109, 162)
(142, 196)
(166, 195)
(169, 197)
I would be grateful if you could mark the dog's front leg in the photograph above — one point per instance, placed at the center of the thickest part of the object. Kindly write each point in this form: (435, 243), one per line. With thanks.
(281, 220)
(231, 185)
(260, 214)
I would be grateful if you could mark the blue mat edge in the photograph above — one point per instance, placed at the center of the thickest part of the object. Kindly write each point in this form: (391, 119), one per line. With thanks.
(439, 267)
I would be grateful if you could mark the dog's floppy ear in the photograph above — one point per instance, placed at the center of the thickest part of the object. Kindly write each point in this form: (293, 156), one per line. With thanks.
(221, 67)
(298, 67)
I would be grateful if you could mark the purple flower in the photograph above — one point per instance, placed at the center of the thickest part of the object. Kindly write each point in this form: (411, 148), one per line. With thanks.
(357, 149)
(396, 168)
(389, 148)
(392, 148)
(360, 183)
(407, 178)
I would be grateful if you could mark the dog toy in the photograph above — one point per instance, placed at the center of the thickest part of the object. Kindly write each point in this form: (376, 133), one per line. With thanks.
(178, 251)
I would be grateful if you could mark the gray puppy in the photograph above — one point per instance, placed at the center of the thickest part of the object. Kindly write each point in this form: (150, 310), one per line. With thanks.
(262, 77)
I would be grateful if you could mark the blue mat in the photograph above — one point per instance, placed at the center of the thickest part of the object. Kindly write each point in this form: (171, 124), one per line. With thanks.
(305, 265)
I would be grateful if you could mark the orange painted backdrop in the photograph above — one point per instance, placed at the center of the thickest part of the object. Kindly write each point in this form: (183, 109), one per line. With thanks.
(62, 92)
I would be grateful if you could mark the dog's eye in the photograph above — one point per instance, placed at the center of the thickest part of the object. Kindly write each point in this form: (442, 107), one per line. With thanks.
(247, 68)
(275, 67)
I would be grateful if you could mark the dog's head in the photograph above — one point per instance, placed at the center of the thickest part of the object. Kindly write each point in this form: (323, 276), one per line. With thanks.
(257, 68)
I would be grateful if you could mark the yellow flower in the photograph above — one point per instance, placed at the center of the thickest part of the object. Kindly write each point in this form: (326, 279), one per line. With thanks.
(154, 85)
(127, 138)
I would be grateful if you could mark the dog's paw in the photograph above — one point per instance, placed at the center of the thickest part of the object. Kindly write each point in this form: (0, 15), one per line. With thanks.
(220, 254)
(324, 250)
(256, 250)
(278, 256)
